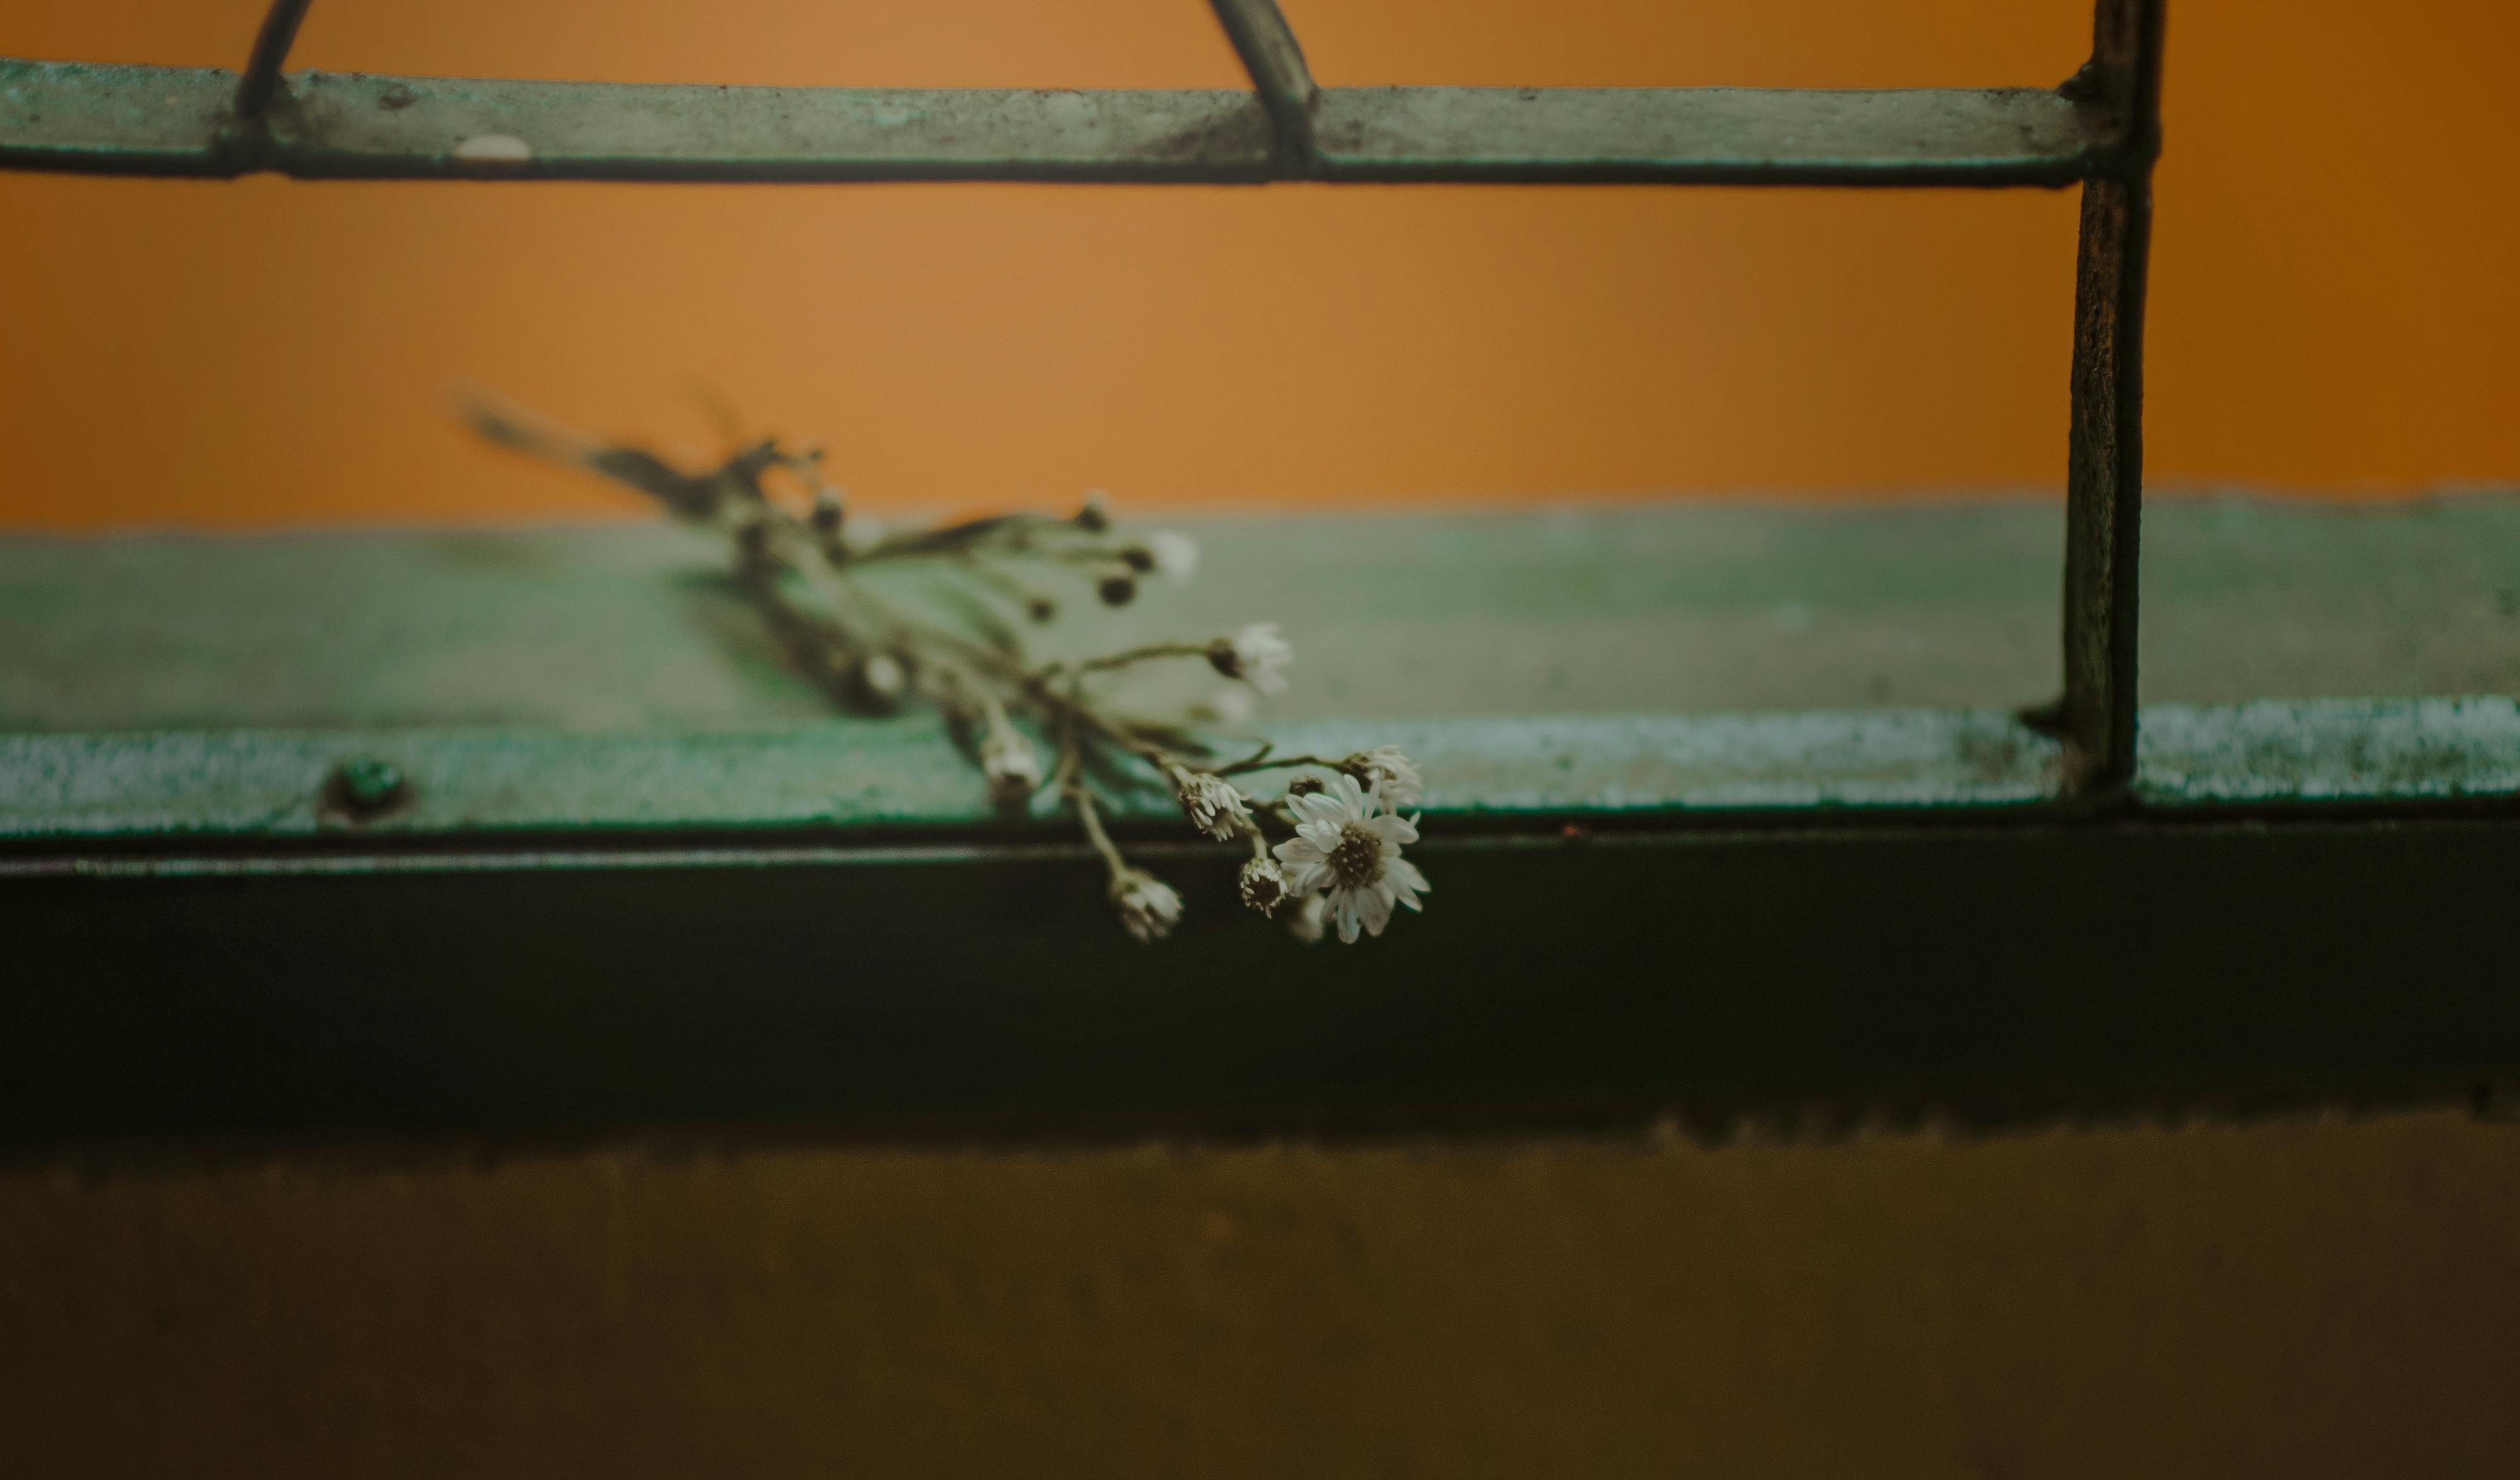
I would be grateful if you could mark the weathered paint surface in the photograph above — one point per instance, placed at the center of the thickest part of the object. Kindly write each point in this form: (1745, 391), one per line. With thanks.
(173, 120)
(1674, 609)
(605, 678)
(907, 772)
(2338, 750)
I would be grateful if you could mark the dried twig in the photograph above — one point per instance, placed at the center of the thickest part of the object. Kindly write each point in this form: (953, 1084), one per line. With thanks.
(1338, 859)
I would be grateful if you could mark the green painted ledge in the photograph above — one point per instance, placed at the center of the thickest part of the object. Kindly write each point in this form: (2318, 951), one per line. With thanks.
(263, 785)
(1727, 810)
(1615, 664)
(272, 785)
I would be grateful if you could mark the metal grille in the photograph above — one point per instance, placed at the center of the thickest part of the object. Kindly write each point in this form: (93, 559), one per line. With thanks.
(2100, 129)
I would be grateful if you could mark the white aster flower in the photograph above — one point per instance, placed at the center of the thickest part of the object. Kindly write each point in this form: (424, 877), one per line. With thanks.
(1009, 763)
(1175, 555)
(1149, 907)
(1212, 803)
(1393, 773)
(1347, 843)
(1255, 655)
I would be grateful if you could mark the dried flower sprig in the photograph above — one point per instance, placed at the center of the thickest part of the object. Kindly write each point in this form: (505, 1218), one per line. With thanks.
(1336, 858)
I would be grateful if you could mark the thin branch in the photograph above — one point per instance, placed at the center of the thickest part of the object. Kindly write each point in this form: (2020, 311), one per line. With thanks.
(1264, 761)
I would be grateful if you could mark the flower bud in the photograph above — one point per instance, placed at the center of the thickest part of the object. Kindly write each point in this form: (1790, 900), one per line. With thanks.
(1255, 655)
(1149, 907)
(1264, 885)
(1172, 555)
(1211, 803)
(881, 678)
(1386, 768)
(1008, 760)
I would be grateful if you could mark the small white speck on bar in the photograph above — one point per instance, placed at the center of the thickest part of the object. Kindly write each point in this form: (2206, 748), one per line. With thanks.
(494, 149)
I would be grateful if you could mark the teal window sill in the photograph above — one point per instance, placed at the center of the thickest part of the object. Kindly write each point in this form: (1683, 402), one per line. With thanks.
(1727, 807)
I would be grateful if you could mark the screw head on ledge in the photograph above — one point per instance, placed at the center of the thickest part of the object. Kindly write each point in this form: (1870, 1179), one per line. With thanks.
(365, 786)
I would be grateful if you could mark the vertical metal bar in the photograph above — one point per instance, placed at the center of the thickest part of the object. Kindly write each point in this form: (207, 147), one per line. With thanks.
(271, 46)
(2104, 469)
(1273, 57)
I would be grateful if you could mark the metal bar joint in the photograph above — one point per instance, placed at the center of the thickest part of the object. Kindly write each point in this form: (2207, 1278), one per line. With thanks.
(247, 135)
(1273, 58)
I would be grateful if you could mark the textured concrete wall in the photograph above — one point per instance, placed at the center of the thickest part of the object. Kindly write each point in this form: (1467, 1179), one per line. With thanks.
(2306, 1298)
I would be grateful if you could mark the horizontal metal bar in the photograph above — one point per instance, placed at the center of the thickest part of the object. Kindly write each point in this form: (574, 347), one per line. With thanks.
(162, 121)
(1711, 135)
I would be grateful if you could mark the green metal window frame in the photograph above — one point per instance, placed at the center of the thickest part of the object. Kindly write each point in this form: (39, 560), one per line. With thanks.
(1983, 914)
(2101, 129)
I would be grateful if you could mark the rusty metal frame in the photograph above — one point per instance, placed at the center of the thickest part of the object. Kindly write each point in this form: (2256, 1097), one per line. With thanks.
(2100, 129)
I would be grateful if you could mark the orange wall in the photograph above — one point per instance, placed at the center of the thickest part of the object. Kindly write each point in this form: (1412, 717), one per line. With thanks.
(2334, 304)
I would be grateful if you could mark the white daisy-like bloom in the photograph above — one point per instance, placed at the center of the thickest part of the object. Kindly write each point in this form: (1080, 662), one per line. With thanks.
(1255, 655)
(1211, 803)
(1149, 907)
(1347, 843)
(1175, 554)
(1386, 769)
(1264, 885)
(1009, 763)
(1310, 920)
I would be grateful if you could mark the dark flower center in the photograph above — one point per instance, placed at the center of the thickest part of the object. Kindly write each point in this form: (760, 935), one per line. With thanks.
(1263, 889)
(1357, 860)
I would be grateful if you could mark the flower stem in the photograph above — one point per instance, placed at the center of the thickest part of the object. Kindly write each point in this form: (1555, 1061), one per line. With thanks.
(1267, 762)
